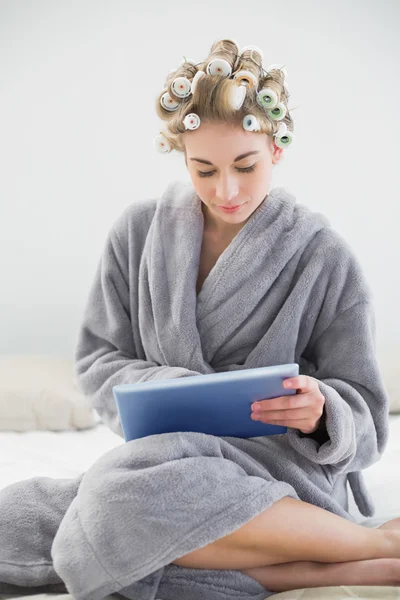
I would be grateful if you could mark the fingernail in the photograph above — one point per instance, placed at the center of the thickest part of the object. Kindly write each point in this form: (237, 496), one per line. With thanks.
(256, 407)
(287, 384)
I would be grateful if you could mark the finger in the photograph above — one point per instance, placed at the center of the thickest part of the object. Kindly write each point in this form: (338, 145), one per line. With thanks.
(301, 382)
(283, 403)
(285, 415)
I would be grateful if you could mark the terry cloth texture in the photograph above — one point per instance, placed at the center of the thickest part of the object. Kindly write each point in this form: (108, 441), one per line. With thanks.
(286, 289)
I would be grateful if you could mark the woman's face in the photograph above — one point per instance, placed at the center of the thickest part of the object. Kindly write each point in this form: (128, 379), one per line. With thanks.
(222, 178)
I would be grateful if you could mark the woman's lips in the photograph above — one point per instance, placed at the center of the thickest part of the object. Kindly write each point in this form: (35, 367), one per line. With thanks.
(231, 208)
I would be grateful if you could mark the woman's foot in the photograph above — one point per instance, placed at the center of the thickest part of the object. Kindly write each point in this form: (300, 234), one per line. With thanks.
(391, 531)
(393, 524)
(306, 574)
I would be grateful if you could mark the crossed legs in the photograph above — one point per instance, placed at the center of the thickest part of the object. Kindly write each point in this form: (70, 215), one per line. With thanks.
(294, 544)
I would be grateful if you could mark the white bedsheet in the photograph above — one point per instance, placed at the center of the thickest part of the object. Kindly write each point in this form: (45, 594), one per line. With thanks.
(67, 454)
(60, 454)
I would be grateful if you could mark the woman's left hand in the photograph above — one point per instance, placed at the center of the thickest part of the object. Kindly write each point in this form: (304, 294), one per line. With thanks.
(302, 410)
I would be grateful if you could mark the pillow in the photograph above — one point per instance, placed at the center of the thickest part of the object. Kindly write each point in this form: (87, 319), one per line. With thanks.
(388, 358)
(39, 392)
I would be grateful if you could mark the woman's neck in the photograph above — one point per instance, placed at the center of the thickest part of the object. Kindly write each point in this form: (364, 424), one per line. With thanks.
(217, 228)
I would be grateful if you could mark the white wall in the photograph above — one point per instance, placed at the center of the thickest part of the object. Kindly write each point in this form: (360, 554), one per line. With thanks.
(78, 82)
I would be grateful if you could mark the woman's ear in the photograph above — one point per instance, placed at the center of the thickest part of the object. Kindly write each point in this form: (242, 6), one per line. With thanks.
(276, 154)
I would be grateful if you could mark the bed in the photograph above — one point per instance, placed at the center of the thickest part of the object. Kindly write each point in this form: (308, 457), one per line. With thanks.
(68, 453)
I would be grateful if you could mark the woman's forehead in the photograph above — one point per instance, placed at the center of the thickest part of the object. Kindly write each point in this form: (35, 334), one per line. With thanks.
(217, 142)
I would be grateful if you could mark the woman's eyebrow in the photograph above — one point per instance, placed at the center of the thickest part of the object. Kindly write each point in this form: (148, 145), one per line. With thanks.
(240, 157)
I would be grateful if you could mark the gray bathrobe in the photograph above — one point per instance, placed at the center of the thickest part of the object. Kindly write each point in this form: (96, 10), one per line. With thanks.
(287, 289)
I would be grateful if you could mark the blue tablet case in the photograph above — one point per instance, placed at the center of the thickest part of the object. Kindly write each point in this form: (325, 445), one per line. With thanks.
(216, 403)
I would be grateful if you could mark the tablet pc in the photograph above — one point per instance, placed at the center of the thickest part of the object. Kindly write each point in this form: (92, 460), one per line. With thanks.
(216, 403)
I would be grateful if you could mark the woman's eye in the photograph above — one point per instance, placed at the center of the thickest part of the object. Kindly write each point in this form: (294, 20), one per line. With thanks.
(209, 173)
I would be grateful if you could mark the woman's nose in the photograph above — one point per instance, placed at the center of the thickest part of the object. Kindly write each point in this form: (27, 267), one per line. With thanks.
(227, 189)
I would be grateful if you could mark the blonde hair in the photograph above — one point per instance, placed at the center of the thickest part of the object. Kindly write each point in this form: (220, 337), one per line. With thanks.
(211, 99)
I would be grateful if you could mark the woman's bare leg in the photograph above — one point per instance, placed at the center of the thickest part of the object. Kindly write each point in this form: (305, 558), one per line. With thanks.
(303, 574)
(292, 530)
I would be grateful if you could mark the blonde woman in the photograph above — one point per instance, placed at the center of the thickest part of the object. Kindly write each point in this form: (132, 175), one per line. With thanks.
(219, 274)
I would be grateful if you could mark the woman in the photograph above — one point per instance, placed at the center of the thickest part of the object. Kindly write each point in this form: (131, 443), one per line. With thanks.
(183, 288)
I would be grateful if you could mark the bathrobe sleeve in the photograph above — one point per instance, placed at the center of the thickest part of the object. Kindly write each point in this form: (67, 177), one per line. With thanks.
(355, 427)
(105, 353)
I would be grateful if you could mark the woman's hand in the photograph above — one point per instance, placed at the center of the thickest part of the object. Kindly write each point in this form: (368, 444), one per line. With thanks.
(302, 411)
